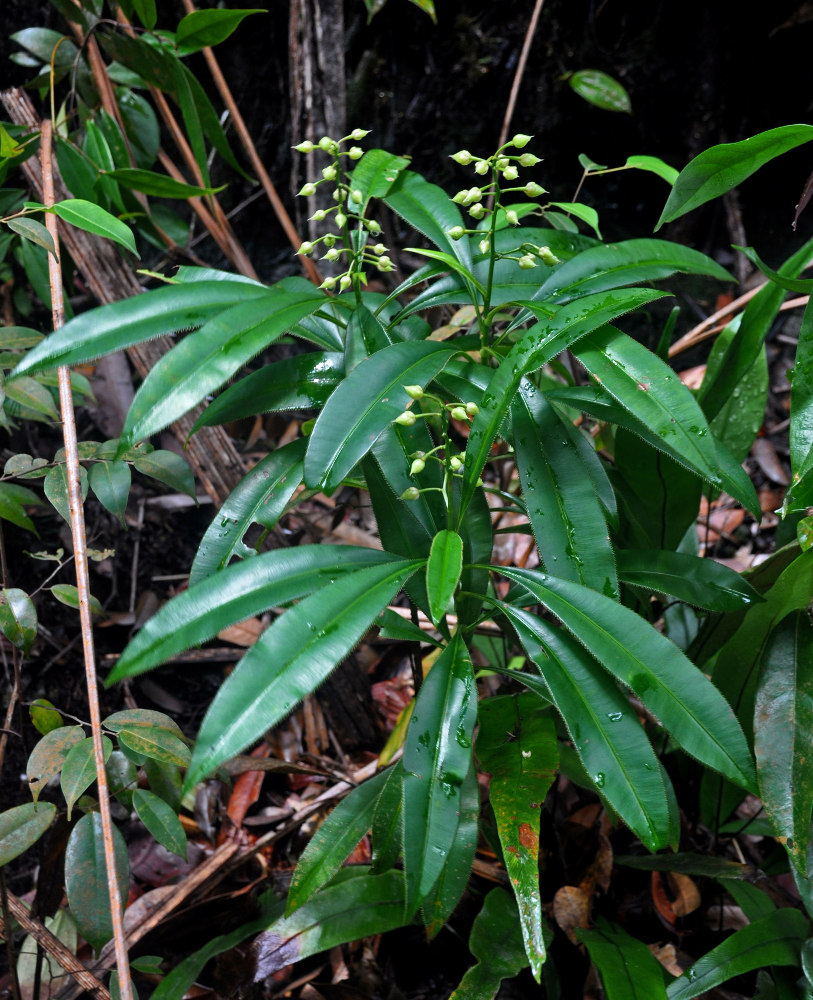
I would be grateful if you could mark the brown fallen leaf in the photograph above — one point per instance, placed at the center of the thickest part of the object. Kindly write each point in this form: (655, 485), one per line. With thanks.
(766, 458)
(571, 909)
(244, 633)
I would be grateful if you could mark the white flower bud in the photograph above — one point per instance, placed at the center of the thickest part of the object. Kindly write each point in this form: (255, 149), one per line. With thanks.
(305, 147)
(472, 409)
(458, 413)
(460, 197)
(329, 172)
(527, 261)
(547, 256)
(345, 282)
(318, 215)
(481, 167)
(341, 220)
(328, 145)
(456, 232)
(356, 196)
(528, 160)
(472, 195)
(338, 195)
(332, 254)
(463, 157)
(501, 162)
(306, 248)
(359, 133)
(355, 152)
(455, 463)
(411, 493)
(485, 246)
(405, 419)
(520, 140)
(379, 248)
(384, 264)
(328, 284)
(510, 173)
(417, 467)
(533, 190)
(307, 190)
(477, 211)
(372, 226)
(414, 392)
(511, 217)
(329, 239)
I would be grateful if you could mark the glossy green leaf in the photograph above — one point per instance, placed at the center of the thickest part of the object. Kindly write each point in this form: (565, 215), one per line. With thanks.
(134, 718)
(452, 262)
(783, 729)
(122, 778)
(774, 940)
(93, 219)
(723, 167)
(157, 185)
(535, 348)
(207, 358)
(336, 838)
(618, 758)
(628, 969)
(30, 393)
(141, 317)
(45, 716)
(300, 383)
(740, 418)
(161, 821)
(79, 769)
(146, 13)
(691, 709)
(17, 338)
(32, 230)
(260, 497)
(800, 286)
(18, 618)
(517, 746)
(49, 755)
(364, 405)
(587, 214)
(110, 481)
(601, 90)
(22, 826)
(686, 863)
(291, 659)
(157, 744)
(654, 165)
(702, 582)
(12, 498)
(375, 173)
(393, 453)
(55, 486)
(497, 945)
(801, 410)
(566, 516)
(437, 756)
(203, 28)
(41, 42)
(87, 879)
(237, 592)
(443, 571)
(388, 819)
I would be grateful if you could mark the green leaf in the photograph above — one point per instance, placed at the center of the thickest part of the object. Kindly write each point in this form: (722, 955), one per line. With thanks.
(49, 755)
(134, 718)
(783, 728)
(79, 769)
(774, 940)
(388, 820)
(691, 709)
(496, 944)
(654, 165)
(167, 468)
(291, 659)
(375, 173)
(237, 592)
(801, 409)
(437, 756)
(723, 167)
(22, 826)
(517, 745)
(203, 28)
(702, 582)
(443, 571)
(93, 219)
(161, 821)
(87, 879)
(617, 756)
(601, 90)
(30, 393)
(45, 716)
(157, 744)
(742, 415)
(11, 505)
(685, 863)
(260, 497)
(584, 212)
(628, 969)
(17, 338)
(34, 231)
(141, 317)
(146, 13)
(110, 481)
(335, 839)
(18, 618)
(364, 405)
(122, 778)
(67, 593)
(55, 486)
(156, 185)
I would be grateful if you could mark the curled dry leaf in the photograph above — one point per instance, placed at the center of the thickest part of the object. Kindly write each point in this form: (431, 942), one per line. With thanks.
(571, 909)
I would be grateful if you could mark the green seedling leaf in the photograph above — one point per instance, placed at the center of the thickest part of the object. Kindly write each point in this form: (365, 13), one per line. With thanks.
(86, 879)
(601, 90)
(34, 231)
(49, 755)
(335, 839)
(157, 185)
(161, 821)
(167, 468)
(800, 286)
(741, 416)
(517, 745)
(22, 827)
(291, 659)
(203, 28)
(691, 709)
(497, 945)
(135, 718)
(774, 940)
(375, 173)
(157, 744)
(110, 481)
(654, 165)
(443, 572)
(44, 715)
(724, 167)
(392, 626)
(801, 410)
(587, 214)
(18, 618)
(437, 757)
(66, 593)
(79, 769)
(237, 592)
(628, 969)
(783, 729)
(12, 498)
(93, 219)
(29, 392)
(55, 486)
(701, 582)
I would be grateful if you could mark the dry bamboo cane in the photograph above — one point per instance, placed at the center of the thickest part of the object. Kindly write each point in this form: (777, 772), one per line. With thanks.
(82, 577)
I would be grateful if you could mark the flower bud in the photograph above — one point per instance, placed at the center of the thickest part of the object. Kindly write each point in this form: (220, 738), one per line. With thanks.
(477, 211)
(307, 190)
(458, 413)
(332, 254)
(472, 195)
(305, 147)
(547, 256)
(329, 239)
(511, 217)
(527, 261)
(455, 463)
(359, 133)
(356, 196)
(405, 419)
(306, 248)
(481, 167)
(456, 232)
(328, 145)
(329, 172)
(411, 493)
(501, 162)
(533, 190)
(384, 264)
(521, 140)
(355, 152)
(378, 249)
(510, 173)
(463, 157)
(318, 215)
(372, 226)
(341, 220)
(345, 282)
(472, 409)
(484, 245)
(417, 467)
(414, 391)
(528, 160)
(328, 284)
(460, 197)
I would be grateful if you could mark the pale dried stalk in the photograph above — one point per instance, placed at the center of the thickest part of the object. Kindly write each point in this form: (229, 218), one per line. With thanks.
(520, 71)
(72, 476)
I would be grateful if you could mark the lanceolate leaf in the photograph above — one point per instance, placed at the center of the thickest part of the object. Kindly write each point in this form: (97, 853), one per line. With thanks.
(517, 745)
(49, 755)
(205, 359)
(673, 689)
(156, 744)
(437, 756)
(110, 481)
(375, 173)
(783, 732)
(774, 940)
(23, 826)
(18, 618)
(168, 468)
(12, 498)
(291, 659)
(497, 945)
(79, 769)
(86, 878)
(723, 167)
(366, 403)
(601, 90)
(204, 28)
(85, 215)
(261, 497)
(443, 571)
(238, 592)
(157, 185)
(801, 409)
(114, 327)
(628, 969)
(702, 582)
(161, 821)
